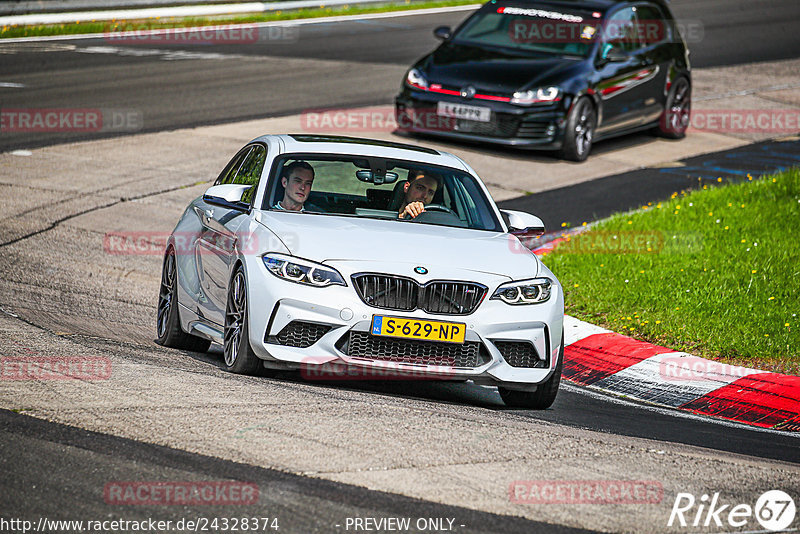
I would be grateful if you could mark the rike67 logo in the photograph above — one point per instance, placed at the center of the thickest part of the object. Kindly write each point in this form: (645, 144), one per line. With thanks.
(774, 510)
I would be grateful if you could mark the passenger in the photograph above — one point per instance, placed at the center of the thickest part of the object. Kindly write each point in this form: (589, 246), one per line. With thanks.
(297, 179)
(419, 191)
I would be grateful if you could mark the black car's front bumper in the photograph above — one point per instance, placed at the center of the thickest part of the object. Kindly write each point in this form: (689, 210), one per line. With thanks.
(535, 127)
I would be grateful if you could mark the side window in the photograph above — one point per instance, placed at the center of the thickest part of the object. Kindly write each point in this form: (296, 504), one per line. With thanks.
(250, 171)
(653, 28)
(621, 30)
(227, 175)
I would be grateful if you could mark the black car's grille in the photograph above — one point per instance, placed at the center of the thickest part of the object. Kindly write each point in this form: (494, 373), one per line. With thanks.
(520, 354)
(365, 345)
(299, 334)
(404, 294)
(531, 128)
(499, 126)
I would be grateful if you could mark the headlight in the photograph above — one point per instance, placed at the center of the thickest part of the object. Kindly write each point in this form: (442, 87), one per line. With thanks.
(415, 79)
(302, 271)
(524, 291)
(542, 95)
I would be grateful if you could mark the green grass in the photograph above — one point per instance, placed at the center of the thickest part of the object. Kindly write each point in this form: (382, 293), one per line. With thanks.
(7, 32)
(713, 272)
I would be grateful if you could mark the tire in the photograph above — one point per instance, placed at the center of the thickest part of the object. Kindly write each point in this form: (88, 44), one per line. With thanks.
(677, 111)
(579, 131)
(168, 321)
(545, 394)
(238, 355)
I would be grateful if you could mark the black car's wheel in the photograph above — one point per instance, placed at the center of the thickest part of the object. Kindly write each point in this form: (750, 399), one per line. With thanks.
(168, 323)
(579, 131)
(677, 111)
(239, 355)
(545, 394)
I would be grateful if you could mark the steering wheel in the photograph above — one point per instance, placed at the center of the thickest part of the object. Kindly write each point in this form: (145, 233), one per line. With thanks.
(441, 208)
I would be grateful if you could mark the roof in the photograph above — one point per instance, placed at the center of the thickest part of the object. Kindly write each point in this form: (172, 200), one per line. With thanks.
(599, 5)
(335, 144)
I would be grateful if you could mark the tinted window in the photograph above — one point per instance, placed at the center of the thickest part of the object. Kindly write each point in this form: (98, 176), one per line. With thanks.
(653, 27)
(250, 171)
(540, 28)
(621, 30)
(227, 176)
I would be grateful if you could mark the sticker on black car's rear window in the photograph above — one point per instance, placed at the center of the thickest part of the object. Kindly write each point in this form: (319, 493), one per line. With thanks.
(539, 13)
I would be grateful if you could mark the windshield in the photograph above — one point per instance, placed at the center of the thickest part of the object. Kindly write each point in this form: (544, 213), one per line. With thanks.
(376, 188)
(535, 28)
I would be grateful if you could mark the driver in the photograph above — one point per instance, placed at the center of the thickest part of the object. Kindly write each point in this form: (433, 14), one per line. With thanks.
(419, 190)
(297, 179)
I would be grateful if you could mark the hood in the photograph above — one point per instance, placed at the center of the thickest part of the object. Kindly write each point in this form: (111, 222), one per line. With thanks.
(492, 70)
(334, 239)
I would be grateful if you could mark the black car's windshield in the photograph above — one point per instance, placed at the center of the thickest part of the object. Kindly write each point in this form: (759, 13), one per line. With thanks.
(378, 188)
(536, 28)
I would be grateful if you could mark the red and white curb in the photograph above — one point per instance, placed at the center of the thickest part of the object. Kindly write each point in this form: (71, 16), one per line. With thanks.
(636, 369)
(601, 359)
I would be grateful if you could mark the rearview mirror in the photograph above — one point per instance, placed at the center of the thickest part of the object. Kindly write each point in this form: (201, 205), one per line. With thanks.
(377, 178)
(442, 32)
(227, 195)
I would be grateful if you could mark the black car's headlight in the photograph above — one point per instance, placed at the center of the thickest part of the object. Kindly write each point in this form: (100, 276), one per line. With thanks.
(542, 95)
(531, 291)
(302, 271)
(415, 79)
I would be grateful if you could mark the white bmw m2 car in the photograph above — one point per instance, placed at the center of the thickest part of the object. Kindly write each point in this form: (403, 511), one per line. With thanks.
(318, 250)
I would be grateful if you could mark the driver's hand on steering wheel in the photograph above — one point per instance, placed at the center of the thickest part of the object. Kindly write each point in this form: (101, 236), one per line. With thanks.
(411, 210)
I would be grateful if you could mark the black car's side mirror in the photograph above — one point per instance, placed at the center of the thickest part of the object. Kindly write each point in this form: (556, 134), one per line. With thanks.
(442, 32)
(614, 54)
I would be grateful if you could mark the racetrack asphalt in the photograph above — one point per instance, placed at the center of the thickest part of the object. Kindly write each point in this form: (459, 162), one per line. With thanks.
(593, 200)
(323, 65)
(460, 447)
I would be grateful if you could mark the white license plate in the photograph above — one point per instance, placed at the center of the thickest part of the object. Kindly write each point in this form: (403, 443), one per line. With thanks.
(461, 111)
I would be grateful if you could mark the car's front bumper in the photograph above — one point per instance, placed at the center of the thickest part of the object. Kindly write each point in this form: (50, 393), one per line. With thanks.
(535, 127)
(284, 316)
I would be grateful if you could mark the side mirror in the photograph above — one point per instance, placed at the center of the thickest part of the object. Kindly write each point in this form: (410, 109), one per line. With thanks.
(228, 196)
(442, 33)
(523, 224)
(613, 54)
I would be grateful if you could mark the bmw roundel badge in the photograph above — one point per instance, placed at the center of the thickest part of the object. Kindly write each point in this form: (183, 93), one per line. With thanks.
(420, 270)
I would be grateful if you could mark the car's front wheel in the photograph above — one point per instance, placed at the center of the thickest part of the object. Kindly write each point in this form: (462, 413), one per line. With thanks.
(168, 323)
(239, 355)
(545, 394)
(579, 131)
(677, 111)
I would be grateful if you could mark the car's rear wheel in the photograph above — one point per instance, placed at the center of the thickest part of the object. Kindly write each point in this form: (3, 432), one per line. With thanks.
(677, 111)
(545, 394)
(168, 322)
(579, 131)
(239, 355)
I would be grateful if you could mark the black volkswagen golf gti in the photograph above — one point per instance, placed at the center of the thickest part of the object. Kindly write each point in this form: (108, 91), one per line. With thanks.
(554, 75)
